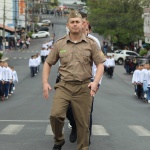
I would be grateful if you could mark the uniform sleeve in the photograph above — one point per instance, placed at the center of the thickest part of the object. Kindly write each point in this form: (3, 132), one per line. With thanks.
(97, 55)
(53, 56)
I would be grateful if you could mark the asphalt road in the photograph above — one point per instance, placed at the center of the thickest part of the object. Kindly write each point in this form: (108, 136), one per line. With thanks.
(120, 120)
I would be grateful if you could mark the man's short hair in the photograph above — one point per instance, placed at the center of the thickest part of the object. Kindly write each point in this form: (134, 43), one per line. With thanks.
(84, 15)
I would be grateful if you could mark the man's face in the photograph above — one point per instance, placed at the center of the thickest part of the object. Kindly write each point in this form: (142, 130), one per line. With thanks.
(75, 25)
(84, 25)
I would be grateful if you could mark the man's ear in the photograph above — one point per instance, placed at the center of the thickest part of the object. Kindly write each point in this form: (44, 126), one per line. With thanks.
(67, 25)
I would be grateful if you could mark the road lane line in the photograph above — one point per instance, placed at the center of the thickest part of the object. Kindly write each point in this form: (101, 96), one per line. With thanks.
(99, 130)
(12, 129)
(40, 121)
(139, 130)
(49, 130)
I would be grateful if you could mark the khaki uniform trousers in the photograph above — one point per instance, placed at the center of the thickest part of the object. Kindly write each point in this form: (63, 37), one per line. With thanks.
(78, 94)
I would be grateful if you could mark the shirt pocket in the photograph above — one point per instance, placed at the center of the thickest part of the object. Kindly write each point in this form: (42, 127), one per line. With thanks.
(86, 57)
(64, 57)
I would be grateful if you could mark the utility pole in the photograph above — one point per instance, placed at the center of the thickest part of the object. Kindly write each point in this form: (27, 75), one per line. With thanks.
(26, 18)
(15, 24)
(4, 18)
(33, 16)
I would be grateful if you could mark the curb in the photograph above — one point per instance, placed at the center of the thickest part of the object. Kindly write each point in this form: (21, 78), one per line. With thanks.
(5, 59)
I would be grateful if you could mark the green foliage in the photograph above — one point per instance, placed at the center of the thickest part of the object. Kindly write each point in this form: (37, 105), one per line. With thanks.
(1, 55)
(121, 19)
(143, 52)
(29, 34)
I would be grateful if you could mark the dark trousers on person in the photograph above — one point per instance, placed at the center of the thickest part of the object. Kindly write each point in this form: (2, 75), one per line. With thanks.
(139, 90)
(110, 71)
(1, 89)
(10, 88)
(43, 59)
(32, 69)
(6, 88)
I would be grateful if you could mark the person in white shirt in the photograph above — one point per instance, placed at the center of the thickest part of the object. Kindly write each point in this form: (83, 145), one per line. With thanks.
(42, 53)
(39, 61)
(32, 66)
(7, 78)
(15, 77)
(135, 77)
(144, 78)
(139, 82)
(110, 66)
(1, 79)
(148, 85)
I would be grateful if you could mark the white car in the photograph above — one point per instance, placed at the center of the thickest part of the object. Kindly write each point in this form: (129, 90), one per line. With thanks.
(44, 23)
(41, 34)
(120, 55)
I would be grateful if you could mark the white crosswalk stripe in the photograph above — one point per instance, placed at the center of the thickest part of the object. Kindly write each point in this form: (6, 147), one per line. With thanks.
(99, 130)
(49, 130)
(12, 129)
(139, 130)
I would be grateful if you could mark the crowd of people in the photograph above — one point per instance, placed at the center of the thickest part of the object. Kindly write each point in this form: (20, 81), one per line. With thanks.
(130, 65)
(141, 81)
(8, 79)
(36, 60)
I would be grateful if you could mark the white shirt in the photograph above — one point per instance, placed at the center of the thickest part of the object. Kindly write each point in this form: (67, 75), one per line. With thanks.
(134, 77)
(31, 62)
(94, 68)
(95, 39)
(42, 53)
(143, 75)
(15, 77)
(7, 72)
(148, 78)
(1, 73)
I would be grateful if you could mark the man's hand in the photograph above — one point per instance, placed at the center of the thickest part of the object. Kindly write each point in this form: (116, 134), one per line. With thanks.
(46, 89)
(94, 87)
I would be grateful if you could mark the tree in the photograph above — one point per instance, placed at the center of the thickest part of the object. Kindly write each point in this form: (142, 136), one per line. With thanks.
(119, 19)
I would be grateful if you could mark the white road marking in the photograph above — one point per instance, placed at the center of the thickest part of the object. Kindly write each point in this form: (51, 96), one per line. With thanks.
(49, 130)
(36, 121)
(99, 130)
(15, 57)
(12, 129)
(139, 130)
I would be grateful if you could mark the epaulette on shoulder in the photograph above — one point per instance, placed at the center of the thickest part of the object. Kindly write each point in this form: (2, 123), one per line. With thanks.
(91, 39)
(61, 38)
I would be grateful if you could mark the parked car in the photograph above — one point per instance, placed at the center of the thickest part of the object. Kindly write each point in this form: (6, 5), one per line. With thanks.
(41, 34)
(44, 23)
(44, 29)
(120, 55)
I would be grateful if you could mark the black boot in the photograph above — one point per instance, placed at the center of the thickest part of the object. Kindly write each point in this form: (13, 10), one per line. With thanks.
(58, 147)
(73, 135)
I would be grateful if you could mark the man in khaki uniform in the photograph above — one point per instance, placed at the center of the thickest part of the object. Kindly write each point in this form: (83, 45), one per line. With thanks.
(76, 53)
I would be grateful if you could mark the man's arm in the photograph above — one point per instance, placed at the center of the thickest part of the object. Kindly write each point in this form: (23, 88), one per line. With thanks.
(99, 73)
(45, 75)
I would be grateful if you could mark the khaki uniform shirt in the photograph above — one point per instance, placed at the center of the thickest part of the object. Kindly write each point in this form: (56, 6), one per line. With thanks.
(76, 59)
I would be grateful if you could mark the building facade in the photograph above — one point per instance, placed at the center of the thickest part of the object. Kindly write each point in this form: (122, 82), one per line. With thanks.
(146, 16)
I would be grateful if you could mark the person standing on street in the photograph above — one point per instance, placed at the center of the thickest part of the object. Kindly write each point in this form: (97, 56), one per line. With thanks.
(77, 53)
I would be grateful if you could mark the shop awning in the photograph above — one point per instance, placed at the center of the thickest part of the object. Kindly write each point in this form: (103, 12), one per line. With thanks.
(7, 28)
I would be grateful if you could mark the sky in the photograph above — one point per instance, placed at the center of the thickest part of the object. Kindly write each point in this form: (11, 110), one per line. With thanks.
(68, 1)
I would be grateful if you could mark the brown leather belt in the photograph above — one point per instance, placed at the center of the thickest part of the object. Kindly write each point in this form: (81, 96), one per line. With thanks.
(76, 82)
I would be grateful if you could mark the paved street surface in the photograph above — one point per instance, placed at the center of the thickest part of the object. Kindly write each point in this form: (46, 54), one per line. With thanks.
(120, 120)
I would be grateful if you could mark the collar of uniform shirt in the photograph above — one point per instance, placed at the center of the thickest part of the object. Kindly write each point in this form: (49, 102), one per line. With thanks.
(83, 38)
